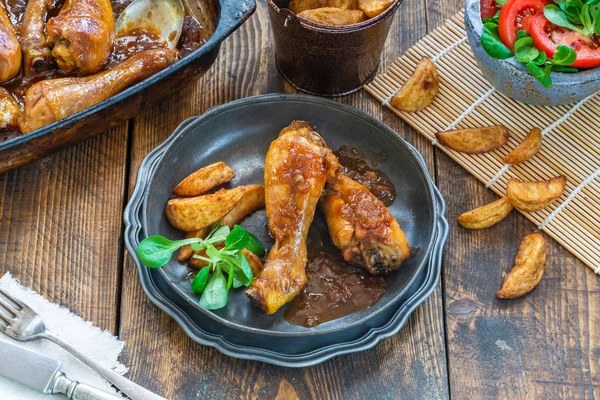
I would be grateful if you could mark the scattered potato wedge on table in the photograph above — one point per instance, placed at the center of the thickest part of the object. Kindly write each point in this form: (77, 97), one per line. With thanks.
(486, 216)
(186, 251)
(333, 16)
(420, 89)
(535, 196)
(194, 213)
(530, 265)
(474, 141)
(298, 6)
(204, 180)
(530, 146)
(373, 8)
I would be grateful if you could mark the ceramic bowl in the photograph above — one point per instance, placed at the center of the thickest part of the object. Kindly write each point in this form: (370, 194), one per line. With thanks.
(514, 80)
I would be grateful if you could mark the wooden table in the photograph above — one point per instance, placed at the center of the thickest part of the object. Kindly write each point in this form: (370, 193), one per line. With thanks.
(61, 233)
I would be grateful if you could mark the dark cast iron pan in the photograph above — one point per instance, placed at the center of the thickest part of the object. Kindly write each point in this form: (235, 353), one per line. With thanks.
(220, 18)
(240, 133)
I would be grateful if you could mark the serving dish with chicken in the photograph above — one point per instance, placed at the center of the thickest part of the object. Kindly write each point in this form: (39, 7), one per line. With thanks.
(72, 68)
(336, 214)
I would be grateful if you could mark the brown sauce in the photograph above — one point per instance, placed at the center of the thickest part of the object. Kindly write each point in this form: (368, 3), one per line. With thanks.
(192, 38)
(355, 165)
(133, 41)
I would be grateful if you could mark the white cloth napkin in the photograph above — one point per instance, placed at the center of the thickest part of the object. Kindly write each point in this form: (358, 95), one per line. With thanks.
(100, 345)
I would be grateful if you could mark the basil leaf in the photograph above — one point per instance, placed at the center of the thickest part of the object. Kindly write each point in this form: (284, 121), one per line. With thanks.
(492, 29)
(568, 70)
(542, 75)
(246, 275)
(156, 251)
(522, 34)
(557, 16)
(255, 246)
(212, 252)
(196, 246)
(237, 239)
(230, 277)
(525, 51)
(501, 3)
(564, 56)
(199, 282)
(215, 294)
(494, 47)
(540, 59)
(237, 283)
(586, 20)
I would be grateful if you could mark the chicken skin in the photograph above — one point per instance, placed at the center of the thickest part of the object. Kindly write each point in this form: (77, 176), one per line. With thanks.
(37, 51)
(363, 228)
(9, 111)
(10, 48)
(82, 35)
(50, 100)
(297, 166)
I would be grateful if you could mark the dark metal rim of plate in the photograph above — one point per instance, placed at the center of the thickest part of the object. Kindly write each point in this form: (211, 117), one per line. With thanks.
(174, 141)
(197, 329)
(232, 14)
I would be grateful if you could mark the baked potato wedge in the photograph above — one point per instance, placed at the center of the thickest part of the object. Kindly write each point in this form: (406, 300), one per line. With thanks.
(194, 213)
(420, 89)
(204, 180)
(527, 149)
(474, 141)
(186, 251)
(298, 6)
(333, 16)
(252, 199)
(486, 216)
(255, 262)
(530, 265)
(373, 8)
(534, 196)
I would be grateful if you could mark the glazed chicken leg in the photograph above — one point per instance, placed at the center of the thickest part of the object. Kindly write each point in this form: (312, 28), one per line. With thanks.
(82, 35)
(50, 100)
(37, 54)
(363, 228)
(10, 49)
(297, 166)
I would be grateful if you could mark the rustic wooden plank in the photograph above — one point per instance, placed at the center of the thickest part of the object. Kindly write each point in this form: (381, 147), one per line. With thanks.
(542, 346)
(412, 364)
(61, 224)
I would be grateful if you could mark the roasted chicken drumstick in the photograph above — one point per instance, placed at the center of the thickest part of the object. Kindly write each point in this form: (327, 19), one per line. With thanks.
(298, 164)
(363, 228)
(50, 100)
(10, 49)
(37, 52)
(82, 35)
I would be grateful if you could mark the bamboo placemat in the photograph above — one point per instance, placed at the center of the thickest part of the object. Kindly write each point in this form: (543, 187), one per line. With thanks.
(571, 144)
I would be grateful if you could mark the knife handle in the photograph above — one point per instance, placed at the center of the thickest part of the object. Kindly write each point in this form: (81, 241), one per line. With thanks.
(79, 391)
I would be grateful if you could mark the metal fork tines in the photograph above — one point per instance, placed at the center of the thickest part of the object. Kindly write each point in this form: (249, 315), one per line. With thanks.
(20, 322)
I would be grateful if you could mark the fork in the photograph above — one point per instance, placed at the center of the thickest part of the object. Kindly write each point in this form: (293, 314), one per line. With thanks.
(20, 322)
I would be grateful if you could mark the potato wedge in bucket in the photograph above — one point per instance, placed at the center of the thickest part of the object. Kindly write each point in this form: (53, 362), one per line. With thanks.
(194, 213)
(530, 265)
(534, 196)
(373, 8)
(420, 89)
(474, 141)
(486, 216)
(530, 146)
(204, 180)
(333, 16)
(298, 6)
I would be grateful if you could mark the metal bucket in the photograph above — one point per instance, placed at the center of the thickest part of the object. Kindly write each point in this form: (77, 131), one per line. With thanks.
(327, 60)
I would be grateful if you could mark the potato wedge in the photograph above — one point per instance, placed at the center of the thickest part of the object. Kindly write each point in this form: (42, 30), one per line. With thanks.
(420, 89)
(530, 265)
(333, 16)
(373, 8)
(194, 213)
(474, 141)
(486, 216)
(252, 199)
(255, 263)
(204, 180)
(527, 149)
(535, 196)
(186, 251)
(297, 6)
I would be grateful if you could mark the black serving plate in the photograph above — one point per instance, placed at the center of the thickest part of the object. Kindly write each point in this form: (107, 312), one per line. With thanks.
(220, 19)
(239, 133)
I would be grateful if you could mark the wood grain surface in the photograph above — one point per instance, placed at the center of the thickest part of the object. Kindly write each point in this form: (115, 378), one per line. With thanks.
(61, 234)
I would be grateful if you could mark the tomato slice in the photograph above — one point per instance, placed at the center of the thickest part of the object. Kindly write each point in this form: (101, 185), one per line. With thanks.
(547, 37)
(517, 15)
(489, 8)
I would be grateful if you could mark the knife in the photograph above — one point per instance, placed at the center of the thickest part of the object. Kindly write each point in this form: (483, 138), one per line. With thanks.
(44, 374)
